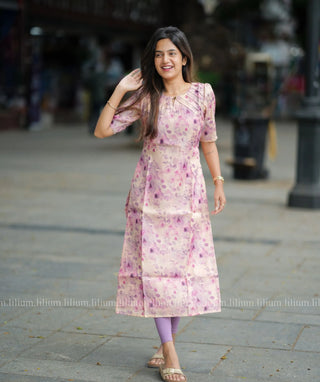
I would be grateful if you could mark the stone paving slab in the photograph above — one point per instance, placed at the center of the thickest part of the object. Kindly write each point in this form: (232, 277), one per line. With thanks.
(61, 347)
(234, 297)
(20, 286)
(14, 340)
(272, 364)
(51, 268)
(9, 313)
(194, 377)
(309, 339)
(14, 262)
(292, 284)
(285, 317)
(283, 258)
(241, 250)
(45, 318)
(82, 290)
(58, 241)
(108, 323)
(69, 209)
(127, 352)
(146, 375)
(294, 220)
(57, 289)
(234, 313)
(245, 333)
(200, 358)
(67, 370)
(4, 377)
(302, 286)
(291, 303)
(310, 265)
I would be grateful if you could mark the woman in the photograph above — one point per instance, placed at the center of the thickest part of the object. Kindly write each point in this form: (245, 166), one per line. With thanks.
(168, 267)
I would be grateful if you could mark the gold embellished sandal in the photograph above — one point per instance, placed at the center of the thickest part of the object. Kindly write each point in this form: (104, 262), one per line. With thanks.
(155, 356)
(164, 372)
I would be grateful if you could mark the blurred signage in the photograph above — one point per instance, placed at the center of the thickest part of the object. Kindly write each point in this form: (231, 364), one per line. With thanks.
(145, 12)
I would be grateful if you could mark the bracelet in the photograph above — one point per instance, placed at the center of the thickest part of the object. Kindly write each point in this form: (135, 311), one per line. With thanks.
(218, 178)
(112, 107)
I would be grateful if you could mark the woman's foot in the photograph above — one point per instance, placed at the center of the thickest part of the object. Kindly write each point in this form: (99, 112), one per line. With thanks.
(171, 361)
(157, 359)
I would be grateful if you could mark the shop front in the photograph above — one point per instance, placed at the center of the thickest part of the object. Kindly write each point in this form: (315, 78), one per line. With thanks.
(55, 50)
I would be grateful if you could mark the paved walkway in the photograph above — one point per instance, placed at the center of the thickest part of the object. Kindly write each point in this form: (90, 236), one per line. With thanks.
(62, 221)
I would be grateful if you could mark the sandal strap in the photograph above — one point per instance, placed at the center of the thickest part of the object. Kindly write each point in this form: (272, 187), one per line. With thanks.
(157, 356)
(171, 371)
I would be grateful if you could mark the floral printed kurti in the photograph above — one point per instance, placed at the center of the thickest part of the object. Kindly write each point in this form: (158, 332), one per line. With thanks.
(168, 266)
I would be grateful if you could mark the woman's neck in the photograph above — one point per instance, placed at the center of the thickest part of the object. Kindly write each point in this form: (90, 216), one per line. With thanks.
(175, 87)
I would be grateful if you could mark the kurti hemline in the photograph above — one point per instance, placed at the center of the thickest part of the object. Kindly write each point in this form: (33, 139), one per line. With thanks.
(172, 315)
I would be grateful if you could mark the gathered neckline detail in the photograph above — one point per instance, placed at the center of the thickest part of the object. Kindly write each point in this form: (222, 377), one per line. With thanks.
(179, 95)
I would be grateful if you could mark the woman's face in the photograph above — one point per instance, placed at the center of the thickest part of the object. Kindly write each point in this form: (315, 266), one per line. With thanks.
(168, 60)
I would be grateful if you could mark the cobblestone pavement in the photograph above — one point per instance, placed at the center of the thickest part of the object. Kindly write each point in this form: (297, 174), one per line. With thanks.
(62, 223)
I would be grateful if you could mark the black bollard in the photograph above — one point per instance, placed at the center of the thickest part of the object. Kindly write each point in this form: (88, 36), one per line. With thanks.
(306, 192)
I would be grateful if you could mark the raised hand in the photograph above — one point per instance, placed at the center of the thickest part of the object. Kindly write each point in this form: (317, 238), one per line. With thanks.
(132, 81)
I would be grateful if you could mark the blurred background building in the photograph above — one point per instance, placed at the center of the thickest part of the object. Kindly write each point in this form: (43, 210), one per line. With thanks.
(61, 58)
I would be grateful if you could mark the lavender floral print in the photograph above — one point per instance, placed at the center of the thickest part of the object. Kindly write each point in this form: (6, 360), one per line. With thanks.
(168, 266)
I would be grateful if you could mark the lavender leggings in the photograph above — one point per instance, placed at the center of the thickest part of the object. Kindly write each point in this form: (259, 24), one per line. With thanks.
(167, 326)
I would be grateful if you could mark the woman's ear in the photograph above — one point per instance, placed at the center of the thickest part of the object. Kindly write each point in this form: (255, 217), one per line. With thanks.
(184, 61)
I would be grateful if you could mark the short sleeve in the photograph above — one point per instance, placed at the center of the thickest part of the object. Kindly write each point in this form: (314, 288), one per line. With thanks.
(126, 117)
(208, 131)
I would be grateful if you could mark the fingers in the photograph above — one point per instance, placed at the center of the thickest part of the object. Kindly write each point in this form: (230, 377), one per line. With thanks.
(135, 71)
(132, 81)
(219, 201)
(136, 74)
(219, 206)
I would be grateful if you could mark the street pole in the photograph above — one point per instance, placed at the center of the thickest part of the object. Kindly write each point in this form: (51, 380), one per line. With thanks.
(306, 192)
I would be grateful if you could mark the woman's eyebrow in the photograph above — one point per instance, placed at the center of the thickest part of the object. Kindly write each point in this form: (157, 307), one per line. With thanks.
(169, 50)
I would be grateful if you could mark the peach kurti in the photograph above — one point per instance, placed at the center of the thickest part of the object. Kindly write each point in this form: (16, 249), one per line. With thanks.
(168, 266)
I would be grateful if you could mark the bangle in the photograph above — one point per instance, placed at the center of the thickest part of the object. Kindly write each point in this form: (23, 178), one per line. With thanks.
(112, 107)
(218, 178)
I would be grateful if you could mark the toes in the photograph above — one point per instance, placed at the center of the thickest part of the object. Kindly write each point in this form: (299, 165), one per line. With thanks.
(156, 362)
(175, 377)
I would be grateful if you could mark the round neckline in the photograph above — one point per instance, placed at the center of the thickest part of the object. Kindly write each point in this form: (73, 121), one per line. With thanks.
(179, 95)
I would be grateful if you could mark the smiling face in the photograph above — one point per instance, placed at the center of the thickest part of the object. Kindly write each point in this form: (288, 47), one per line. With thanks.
(168, 60)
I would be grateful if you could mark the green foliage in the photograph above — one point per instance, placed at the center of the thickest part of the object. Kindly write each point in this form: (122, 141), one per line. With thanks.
(212, 78)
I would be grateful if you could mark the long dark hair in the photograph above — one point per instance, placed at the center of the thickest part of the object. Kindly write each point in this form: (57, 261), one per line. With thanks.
(152, 86)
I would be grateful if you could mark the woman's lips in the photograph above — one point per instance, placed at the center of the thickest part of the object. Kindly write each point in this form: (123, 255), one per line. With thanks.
(166, 68)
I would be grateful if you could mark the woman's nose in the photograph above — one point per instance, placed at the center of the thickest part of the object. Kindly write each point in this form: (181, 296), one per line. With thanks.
(165, 58)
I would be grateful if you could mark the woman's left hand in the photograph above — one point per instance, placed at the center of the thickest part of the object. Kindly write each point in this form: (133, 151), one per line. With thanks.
(219, 199)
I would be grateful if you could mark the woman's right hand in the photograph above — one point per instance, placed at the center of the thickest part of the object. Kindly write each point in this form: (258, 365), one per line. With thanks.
(131, 82)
